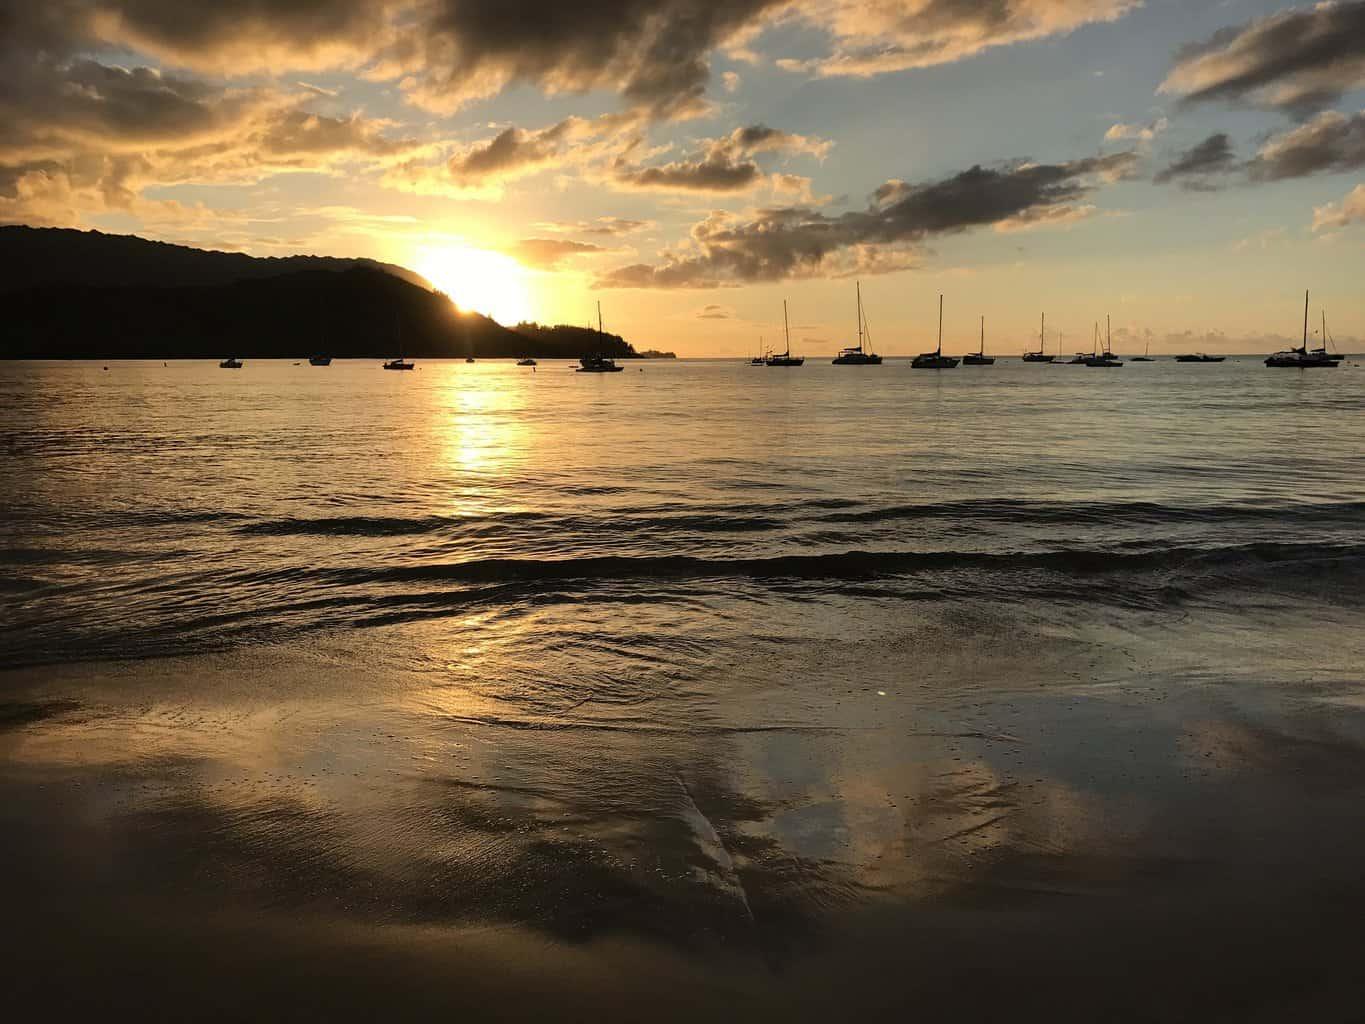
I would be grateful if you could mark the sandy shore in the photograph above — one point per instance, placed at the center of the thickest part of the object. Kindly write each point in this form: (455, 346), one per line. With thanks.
(1162, 823)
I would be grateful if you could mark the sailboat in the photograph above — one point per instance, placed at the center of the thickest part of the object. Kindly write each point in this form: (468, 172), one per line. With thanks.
(400, 363)
(759, 359)
(1079, 359)
(786, 358)
(230, 364)
(1302, 357)
(979, 358)
(1107, 357)
(1040, 356)
(1145, 357)
(597, 363)
(1199, 357)
(1336, 357)
(859, 356)
(935, 360)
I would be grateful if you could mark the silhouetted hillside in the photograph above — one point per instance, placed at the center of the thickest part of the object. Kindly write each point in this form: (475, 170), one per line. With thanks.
(94, 296)
(34, 257)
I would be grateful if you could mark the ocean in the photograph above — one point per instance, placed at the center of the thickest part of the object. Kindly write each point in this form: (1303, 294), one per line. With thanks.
(696, 689)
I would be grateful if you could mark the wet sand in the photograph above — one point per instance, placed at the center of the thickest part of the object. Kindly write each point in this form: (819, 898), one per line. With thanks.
(969, 812)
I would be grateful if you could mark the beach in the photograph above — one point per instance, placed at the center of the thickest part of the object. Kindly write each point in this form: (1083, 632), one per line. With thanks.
(703, 690)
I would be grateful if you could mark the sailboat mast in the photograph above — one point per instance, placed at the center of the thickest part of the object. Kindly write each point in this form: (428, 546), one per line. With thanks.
(599, 316)
(1108, 345)
(1042, 332)
(859, 286)
(786, 330)
(939, 350)
(983, 336)
(1324, 330)
(1305, 320)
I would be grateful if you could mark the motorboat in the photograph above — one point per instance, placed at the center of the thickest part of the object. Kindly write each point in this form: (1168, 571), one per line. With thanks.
(528, 361)
(230, 364)
(398, 364)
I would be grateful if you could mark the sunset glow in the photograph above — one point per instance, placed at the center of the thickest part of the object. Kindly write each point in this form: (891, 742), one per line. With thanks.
(486, 282)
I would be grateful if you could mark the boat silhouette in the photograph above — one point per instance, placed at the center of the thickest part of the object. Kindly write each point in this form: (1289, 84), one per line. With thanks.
(935, 360)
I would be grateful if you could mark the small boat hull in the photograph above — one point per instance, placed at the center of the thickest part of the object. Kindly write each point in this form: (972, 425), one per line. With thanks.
(398, 364)
(785, 361)
(978, 360)
(320, 361)
(230, 364)
(930, 361)
(856, 358)
(1038, 357)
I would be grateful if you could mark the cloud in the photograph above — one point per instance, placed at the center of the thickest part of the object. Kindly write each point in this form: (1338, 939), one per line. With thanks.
(551, 253)
(610, 227)
(725, 164)
(1329, 142)
(1350, 210)
(1136, 132)
(652, 52)
(1194, 167)
(731, 81)
(787, 242)
(879, 37)
(1299, 60)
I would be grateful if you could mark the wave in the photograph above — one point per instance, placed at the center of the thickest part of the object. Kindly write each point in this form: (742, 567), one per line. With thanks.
(786, 516)
(850, 564)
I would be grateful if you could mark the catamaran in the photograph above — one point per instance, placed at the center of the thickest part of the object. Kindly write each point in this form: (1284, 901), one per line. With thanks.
(1302, 357)
(935, 360)
(597, 363)
(859, 356)
(785, 358)
(979, 358)
(1040, 356)
(1199, 357)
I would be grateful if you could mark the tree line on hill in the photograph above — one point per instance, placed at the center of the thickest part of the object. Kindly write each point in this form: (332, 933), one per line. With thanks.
(86, 295)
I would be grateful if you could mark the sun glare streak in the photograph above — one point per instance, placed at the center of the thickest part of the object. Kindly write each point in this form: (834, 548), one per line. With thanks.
(491, 283)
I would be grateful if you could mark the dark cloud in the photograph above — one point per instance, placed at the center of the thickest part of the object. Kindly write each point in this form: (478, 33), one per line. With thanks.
(1299, 60)
(876, 38)
(607, 227)
(1330, 142)
(653, 52)
(797, 241)
(1195, 166)
(725, 165)
(549, 253)
(510, 153)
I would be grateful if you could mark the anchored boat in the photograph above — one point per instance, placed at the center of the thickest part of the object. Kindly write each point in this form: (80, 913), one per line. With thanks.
(935, 360)
(859, 356)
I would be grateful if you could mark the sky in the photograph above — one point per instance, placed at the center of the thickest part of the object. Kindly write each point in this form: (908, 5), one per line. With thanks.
(1185, 168)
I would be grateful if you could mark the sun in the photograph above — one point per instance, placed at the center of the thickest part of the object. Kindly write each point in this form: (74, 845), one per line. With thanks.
(491, 283)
